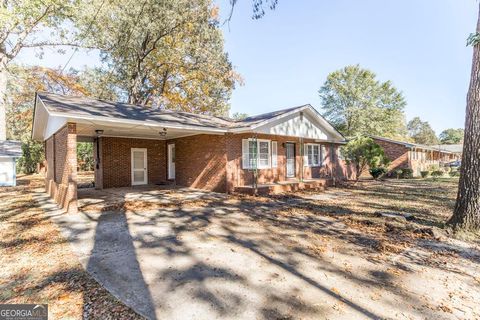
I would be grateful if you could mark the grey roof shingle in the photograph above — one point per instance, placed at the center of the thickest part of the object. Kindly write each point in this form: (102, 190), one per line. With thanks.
(252, 120)
(94, 107)
(10, 148)
(76, 105)
(455, 148)
(416, 145)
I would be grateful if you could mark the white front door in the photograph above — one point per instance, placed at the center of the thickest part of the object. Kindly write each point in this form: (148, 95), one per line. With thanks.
(171, 161)
(290, 156)
(139, 166)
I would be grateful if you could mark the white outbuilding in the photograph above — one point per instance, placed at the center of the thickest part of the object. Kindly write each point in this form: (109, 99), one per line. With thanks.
(10, 151)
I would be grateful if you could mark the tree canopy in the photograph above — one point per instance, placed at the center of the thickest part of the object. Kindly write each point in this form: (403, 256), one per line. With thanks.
(23, 84)
(22, 23)
(355, 102)
(421, 132)
(452, 136)
(166, 54)
(21, 90)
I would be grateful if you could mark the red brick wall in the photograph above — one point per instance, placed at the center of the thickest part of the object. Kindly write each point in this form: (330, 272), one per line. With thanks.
(200, 162)
(211, 162)
(236, 176)
(116, 160)
(397, 154)
(49, 155)
(61, 170)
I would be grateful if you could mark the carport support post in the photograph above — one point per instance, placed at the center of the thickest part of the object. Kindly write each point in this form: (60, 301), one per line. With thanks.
(71, 169)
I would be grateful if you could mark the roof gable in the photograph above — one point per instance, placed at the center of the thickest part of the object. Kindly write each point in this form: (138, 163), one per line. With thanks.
(303, 121)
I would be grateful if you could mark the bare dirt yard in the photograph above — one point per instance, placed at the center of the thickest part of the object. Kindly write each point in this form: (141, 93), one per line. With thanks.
(371, 250)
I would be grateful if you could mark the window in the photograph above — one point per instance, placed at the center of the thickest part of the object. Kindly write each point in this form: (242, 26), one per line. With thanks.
(312, 155)
(256, 155)
(263, 154)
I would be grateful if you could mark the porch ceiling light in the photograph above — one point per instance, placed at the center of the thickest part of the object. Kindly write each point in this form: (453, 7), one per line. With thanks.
(163, 133)
(99, 132)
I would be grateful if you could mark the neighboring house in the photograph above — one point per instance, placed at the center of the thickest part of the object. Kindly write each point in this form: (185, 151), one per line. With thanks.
(289, 149)
(456, 149)
(414, 156)
(10, 151)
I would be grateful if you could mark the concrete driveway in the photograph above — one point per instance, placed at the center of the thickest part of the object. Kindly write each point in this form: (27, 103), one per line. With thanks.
(227, 258)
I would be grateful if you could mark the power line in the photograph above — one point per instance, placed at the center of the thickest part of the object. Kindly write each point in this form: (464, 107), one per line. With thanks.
(86, 32)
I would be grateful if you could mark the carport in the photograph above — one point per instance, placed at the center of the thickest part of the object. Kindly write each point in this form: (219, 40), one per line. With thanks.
(132, 146)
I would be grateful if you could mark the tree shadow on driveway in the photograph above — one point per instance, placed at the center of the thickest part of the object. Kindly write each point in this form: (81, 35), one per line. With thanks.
(113, 262)
(236, 258)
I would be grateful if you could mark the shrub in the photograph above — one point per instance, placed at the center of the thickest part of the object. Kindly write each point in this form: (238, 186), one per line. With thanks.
(437, 173)
(85, 157)
(377, 172)
(454, 173)
(424, 173)
(363, 152)
(398, 173)
(407, 173)
(32, 154)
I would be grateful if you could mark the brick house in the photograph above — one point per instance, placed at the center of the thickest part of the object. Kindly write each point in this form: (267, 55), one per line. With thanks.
(286, 150)
(414, 156)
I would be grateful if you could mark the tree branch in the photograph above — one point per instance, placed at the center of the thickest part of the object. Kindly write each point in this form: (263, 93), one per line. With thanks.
(21, 38)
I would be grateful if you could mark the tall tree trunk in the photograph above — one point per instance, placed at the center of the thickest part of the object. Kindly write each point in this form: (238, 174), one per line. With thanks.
(3, 92)
(467, 208)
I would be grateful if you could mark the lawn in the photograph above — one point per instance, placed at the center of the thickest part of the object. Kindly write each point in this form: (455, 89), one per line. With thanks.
(340, 254)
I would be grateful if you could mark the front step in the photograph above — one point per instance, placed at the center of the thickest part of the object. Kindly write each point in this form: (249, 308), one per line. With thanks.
(285, 187)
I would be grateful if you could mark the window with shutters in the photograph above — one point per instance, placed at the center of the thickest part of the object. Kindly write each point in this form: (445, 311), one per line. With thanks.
(256, 155)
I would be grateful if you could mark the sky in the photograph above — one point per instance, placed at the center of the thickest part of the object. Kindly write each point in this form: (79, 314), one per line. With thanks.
(285, 57)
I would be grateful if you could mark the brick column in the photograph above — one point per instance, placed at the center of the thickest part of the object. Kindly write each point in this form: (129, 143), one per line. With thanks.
(61, 175)
(71, 203)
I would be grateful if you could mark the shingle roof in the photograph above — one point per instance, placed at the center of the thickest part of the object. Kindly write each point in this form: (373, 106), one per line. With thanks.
(85, 106)
(94, 107)
(252, 120)
(455, 148)
(416, 145)
(9, 148)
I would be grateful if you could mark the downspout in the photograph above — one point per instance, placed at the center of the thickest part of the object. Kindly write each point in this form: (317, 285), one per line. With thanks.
(98, 152)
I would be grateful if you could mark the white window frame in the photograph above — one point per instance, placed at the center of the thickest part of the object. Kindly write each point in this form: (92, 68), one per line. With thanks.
(246, 162)
(319, 148)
